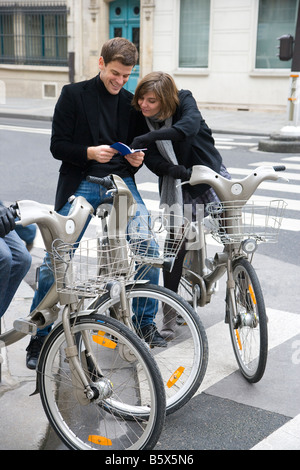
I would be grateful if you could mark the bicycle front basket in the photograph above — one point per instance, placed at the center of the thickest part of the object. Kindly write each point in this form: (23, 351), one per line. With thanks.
(88, 266)
(235, 221)
(156, 238)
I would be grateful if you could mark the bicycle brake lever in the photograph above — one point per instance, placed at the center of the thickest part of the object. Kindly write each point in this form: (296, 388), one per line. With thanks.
(112, 191)
(181, 184)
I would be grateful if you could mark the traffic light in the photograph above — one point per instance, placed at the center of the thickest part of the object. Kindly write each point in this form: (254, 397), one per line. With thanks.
(286, 47)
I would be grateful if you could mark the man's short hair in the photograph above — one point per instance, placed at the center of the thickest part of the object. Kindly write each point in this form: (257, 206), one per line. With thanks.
(120, 49)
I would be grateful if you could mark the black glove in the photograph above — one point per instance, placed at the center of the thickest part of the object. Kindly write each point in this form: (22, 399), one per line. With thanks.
(144, 140)
(180, 172)
(7, 221)
(140, 142)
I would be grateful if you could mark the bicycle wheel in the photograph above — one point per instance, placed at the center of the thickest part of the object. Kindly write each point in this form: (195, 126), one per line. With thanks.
(248, 330)
(129, 415)
(185, 290)
(183, 362)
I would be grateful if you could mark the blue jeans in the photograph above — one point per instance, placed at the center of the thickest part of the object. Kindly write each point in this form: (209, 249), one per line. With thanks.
(15, 262)
(26, 233)
(95, 195)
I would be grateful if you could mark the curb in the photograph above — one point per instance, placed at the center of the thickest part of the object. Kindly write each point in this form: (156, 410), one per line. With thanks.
(26, 116)
(280, 144)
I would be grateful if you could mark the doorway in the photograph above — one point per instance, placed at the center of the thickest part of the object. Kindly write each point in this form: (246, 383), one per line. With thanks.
(124, 21)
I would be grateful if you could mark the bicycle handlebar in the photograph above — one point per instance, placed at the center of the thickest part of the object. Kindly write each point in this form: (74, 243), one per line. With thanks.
(234, 189)
(14, 209)
(106, 181)
(279, 168)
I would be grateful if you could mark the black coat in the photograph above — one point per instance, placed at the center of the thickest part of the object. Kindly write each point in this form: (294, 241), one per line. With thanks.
(76, 127)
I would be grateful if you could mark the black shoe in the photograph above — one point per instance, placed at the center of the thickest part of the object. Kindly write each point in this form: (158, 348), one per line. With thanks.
(33, 351)
(152, 336)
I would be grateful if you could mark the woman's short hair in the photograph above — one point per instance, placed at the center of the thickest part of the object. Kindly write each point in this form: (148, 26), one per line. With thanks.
(164, 88)
(120, 49)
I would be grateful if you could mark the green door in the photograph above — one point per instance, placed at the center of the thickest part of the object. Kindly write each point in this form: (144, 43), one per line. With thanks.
(124, 21)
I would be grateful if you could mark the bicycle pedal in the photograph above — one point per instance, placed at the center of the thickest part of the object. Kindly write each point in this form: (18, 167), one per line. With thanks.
(25, 326)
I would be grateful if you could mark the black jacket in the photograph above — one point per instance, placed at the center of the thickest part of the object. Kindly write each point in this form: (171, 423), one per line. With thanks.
(76, 127)
(195, 147)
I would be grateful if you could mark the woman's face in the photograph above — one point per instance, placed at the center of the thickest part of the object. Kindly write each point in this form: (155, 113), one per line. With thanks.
(149, 103)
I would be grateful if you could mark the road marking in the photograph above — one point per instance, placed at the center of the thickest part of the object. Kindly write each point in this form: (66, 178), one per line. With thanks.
(31, 130)
(289, 166)
(282, 326)
(284, 174)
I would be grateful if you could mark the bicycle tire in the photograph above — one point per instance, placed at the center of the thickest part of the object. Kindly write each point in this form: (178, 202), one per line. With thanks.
(249, 331)
(137, 390)
(185, 290)
(183, 363)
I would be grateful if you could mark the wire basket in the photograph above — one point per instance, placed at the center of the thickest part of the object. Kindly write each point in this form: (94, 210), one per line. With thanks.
(89, 266)
(235, 221)
(156, 239)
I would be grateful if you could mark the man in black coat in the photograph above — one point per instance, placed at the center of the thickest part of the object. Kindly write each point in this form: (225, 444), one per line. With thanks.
(90, 116)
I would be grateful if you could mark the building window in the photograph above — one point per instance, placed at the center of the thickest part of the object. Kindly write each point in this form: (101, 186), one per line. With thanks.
(33, 34)
(194, 33)
(275, 18)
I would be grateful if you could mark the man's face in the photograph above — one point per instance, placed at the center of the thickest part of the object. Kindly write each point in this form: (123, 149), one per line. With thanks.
(114, 75)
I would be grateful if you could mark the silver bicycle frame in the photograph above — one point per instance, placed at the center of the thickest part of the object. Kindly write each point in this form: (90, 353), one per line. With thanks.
(234, 190)
(52, 226)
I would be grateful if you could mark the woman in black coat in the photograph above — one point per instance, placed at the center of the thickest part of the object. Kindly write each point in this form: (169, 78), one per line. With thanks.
(170, 125)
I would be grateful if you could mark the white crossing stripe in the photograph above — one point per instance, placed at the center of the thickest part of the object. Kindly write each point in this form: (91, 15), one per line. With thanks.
(291, 225)
(230, 143)
(292, 159)
(239, 144)
(31, 130)
(150, 187)
(283, 174)
(282, 326)
(224, 147)
(289, 166)
(292, 204)
(151, 204)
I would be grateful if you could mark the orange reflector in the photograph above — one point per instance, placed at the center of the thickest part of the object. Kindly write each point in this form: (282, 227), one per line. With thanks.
(238, 339)
(252, 294)
(174, 377)
(100, 339)
(100, 440)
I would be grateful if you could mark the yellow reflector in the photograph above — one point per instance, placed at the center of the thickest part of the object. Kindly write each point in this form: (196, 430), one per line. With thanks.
(100, 339)
(238, 339)
(174, 377)
(252, 294)
(100, 440)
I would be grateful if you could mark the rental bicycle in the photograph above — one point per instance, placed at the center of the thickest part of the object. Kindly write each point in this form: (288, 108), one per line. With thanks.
(99, 385)
(239, 223)
(125, 248)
